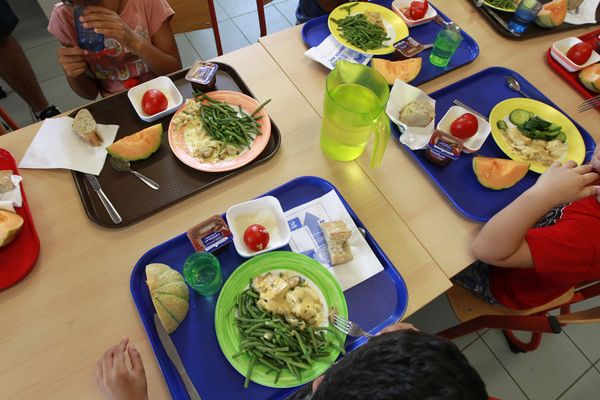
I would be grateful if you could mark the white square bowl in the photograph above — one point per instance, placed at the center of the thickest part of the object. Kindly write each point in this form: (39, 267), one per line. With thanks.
(165, 85)
(265, 211)
(559, 51)
(474, 143)
(397, 5)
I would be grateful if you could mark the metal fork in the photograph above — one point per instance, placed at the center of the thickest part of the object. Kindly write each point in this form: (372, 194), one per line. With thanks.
(348, 327)
(589, 104)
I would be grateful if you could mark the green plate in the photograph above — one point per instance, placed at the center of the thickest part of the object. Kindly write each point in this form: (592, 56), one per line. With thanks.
(227, 333)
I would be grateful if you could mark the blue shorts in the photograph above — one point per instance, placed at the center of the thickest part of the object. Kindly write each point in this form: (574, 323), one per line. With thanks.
(8, 19)
(307, 10)
(476, 279)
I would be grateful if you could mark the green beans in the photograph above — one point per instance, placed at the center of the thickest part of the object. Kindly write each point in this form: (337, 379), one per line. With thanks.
(224, 123)
(509, 4)
(272, 342)
(361, 33)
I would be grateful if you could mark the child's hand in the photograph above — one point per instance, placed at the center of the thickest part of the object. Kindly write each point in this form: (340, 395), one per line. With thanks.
(595, 162)
(109, 23)
(71, 60)
(115, 380)
(563, 183)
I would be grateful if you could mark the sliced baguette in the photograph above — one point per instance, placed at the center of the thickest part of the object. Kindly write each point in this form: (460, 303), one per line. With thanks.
(84, 126)
(6, 184)
(336, 236)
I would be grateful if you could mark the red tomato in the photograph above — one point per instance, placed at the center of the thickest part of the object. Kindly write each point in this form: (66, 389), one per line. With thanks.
(464, 126)
(580, 53)
(154, 101)
(256, 237)
(594, 42)
(418, 9)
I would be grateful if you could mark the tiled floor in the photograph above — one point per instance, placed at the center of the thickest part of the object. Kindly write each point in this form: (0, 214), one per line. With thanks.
(565, 367)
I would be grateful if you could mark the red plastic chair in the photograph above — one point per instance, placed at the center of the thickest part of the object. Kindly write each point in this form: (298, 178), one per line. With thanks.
(7, 119)
(475, 314)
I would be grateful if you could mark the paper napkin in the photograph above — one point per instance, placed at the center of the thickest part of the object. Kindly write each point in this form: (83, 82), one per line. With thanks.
(584, 14)
(9, 200)
(330, 51)
(56, 145)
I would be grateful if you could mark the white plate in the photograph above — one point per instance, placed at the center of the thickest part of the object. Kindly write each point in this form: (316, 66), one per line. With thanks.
(474, 143)
(559, 51)
(165, 85)
(397, 5)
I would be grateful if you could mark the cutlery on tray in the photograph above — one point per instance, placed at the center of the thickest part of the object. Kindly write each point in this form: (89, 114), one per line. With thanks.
(121, 165)
(112, 212)
(514, 84)
(348, 327)
(588, 104)
(466, 107)
(171, 351)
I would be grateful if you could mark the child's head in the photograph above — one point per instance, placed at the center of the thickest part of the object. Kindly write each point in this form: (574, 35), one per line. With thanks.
(403, 365)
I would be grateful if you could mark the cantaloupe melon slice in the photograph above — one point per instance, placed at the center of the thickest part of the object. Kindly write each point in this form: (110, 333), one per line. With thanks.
(10, 225)
(405, 70)
(552, 14)
(590, 77)
(498, 173)
(138, 146)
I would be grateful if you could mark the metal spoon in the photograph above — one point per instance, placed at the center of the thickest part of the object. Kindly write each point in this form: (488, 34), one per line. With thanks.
(513, 84)
(124, 166)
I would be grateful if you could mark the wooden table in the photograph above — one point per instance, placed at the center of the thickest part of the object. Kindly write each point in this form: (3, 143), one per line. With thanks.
(76, 303)
(441, 229)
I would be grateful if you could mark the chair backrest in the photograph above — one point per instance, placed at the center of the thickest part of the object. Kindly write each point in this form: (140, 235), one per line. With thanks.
(190, 15)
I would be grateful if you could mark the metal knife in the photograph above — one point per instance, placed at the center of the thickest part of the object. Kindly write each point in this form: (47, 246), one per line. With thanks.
(466, 107)
(114, 215)
(440, 21)
(167, 343)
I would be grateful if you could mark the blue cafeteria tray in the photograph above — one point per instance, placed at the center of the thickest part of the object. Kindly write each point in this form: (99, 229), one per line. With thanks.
(316, 30)
(481, 91)
(374, 303)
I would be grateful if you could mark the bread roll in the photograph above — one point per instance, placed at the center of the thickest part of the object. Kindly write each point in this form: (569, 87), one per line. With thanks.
(337, 235)
(85, 127)
(170, 294)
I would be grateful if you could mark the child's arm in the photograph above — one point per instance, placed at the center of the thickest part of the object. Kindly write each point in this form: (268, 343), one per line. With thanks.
(502, 243)
(72, 62)
(160, 52)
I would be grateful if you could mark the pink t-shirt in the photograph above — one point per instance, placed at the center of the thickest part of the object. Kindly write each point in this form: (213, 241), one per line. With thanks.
(117, 64)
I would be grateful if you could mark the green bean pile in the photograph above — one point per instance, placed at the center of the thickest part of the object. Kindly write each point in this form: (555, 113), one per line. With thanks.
(224, 123)
(508, 4)
(359, 32)
(269, 340)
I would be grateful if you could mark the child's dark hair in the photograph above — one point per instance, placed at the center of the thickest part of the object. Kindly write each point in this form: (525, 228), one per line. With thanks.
(403, 365)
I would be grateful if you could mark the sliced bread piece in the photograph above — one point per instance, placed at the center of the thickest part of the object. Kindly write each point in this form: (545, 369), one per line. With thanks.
(6, 184)
(85, 126)
(337, 235)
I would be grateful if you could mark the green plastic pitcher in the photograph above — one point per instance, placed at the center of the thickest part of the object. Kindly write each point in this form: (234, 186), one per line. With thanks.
(354, 108)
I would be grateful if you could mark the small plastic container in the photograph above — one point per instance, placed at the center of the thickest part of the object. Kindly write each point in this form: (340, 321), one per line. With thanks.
(443, 148)
(265, 211)
(203, 76)
(474, 143)
(165, 85)
(202, 271)
(398, 5)
(559, 51)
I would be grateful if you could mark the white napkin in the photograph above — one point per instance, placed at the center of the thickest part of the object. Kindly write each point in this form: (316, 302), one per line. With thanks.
(330, 51)
(584, 14)
(12, 199)
(401, 94)
(56, 145)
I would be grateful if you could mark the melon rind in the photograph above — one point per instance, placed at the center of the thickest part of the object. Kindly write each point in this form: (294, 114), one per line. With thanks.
(552, 14)
(137, 146)
(405, 70)
(590, 77)
(498, 173)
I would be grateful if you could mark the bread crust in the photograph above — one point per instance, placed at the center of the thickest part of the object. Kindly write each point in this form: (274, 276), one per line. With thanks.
(336, 236)
(85, 127)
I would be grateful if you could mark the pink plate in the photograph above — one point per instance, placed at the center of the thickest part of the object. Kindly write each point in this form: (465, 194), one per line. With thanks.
(248, 104)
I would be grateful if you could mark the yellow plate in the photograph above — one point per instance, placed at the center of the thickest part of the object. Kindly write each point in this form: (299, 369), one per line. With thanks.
(575, 149)
(511, 10)
(395, 27)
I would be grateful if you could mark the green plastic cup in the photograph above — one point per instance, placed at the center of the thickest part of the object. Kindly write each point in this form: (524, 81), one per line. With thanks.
(202, 271)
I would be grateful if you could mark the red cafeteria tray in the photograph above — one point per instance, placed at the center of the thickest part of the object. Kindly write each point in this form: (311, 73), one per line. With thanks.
(571, 77)
(19, 257)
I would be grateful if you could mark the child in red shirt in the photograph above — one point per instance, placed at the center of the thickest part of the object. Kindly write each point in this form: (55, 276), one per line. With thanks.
(529, 266)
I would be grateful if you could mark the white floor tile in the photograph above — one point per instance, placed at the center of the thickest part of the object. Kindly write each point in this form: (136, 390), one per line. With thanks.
(544, 373)
(16, 107)
(437, 316)
(32, 32)
(248, 23)
(288, 9)
(204, 43)
(186, 50)
(59, 93)
(25, 8)
(586, 336)
(587, 387)
(44, 61)
(235, 8)
(497, 381)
